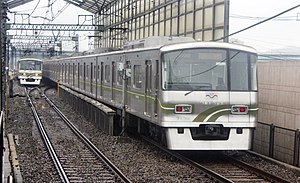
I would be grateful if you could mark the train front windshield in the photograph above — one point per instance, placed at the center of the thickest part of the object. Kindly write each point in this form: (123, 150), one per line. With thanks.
(209, 70)
(30, 65)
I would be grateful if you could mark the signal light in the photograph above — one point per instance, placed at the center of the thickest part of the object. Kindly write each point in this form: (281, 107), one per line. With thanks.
(183, 108)
(239, 109)
(242, 109)
(178, 109)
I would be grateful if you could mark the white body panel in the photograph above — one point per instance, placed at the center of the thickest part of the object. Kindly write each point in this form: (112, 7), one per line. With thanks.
(185, 142)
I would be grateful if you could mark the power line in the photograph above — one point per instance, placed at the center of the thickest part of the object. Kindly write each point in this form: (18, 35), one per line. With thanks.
(287, 18)
(258, 23)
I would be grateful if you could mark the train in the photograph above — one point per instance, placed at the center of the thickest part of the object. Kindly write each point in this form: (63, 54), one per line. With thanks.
(187, 95)
(29, 71)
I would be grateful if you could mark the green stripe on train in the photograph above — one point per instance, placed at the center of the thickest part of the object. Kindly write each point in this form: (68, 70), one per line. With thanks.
(206, 113)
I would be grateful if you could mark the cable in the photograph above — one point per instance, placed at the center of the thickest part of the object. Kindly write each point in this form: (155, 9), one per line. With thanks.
(34, 9)
(287, 18)
(258, 23)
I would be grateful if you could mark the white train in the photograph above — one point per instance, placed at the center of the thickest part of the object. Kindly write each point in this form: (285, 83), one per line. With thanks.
(30, 71)
(189, 95)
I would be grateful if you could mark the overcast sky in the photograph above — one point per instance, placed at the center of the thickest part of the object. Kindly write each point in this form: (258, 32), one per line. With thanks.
(280, 33)
(62, 13)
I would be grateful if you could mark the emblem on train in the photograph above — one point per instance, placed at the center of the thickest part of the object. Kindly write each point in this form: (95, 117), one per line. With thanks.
(211, 95)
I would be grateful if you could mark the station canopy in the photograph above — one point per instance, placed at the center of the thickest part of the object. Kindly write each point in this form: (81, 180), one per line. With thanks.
(15, 3)
(93, 6)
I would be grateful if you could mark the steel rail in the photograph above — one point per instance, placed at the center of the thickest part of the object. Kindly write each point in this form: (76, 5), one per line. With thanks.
(47, 141)
(88, 142)
(209, 172)
(257, 171)
(243, 165)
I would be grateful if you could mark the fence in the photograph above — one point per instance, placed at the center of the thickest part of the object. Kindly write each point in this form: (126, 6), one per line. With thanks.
(277, 142)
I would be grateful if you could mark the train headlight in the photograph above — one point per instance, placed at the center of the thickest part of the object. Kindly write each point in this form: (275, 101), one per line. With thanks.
(183, 108)
(239, 109)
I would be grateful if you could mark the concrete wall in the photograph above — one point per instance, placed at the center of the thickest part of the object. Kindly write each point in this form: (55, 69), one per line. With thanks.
(279, 93)
(279, 103)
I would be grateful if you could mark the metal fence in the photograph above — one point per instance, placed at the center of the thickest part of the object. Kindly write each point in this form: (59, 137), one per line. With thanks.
(277, 142)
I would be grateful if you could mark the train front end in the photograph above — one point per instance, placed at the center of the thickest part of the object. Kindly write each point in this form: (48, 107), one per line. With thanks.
(30, 71)
(208, 99)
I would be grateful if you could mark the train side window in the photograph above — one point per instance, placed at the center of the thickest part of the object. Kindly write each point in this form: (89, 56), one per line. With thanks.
(80, 71)
(137, 76)
(94, 72)
(113, 73)
(62, 72)
(119, 74)
(98, 72)
(128, 73)
(107, 74)
(87, 75)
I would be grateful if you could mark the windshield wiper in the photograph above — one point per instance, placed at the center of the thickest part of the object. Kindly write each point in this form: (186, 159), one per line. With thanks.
(188, 92)
(198, 88)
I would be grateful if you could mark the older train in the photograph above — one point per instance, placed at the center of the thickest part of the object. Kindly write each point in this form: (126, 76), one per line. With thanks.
(189, 95)
(29, 71)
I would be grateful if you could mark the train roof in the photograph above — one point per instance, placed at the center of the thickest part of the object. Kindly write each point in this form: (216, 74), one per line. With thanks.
(24, 59)
(170, 47)
(179, 46)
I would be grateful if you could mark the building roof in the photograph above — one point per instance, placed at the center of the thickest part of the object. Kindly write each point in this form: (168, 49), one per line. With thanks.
(92, 6)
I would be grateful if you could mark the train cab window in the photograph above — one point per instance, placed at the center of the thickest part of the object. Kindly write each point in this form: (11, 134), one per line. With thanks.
(195, 70)
(253, 72)
(137, 76)
(107, 74)
(239, 71)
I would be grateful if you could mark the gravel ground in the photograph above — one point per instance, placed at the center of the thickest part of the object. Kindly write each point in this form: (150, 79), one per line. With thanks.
(138, 160)
(32, 155)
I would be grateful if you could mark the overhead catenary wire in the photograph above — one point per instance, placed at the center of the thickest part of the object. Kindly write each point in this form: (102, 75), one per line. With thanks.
(286, 18)
(258, 23)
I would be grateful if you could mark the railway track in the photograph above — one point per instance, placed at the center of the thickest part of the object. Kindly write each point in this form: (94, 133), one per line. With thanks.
(222, 168)
(75, 157)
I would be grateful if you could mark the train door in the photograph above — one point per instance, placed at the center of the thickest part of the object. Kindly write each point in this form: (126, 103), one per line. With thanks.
(97, 79)
(84, 75)
(73, 74)
(61, 73)
(65, 73)
(240, 85)
(128, 85)
(69, 72)
(156, 83)
(148, 87)
(101, 79)
(91, 78)
(113, 80)
(78, 75)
